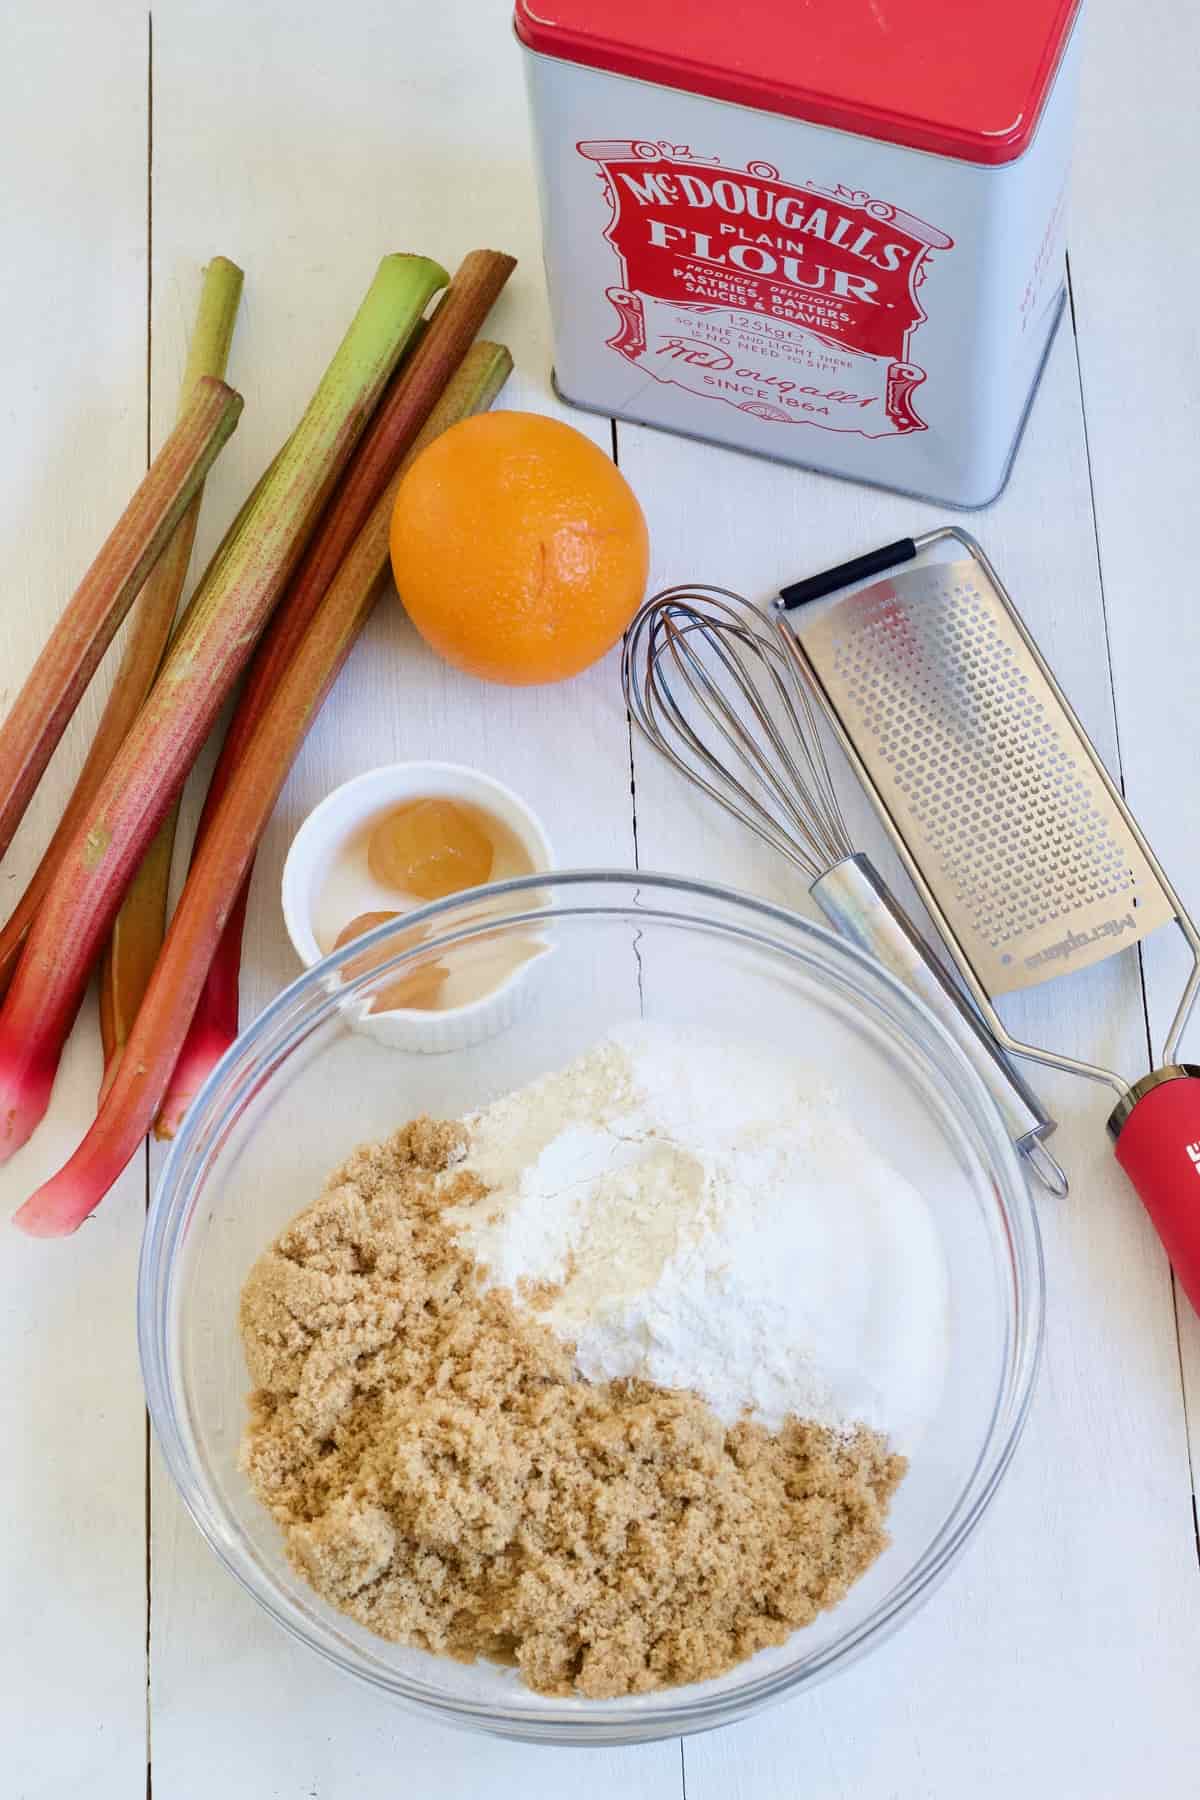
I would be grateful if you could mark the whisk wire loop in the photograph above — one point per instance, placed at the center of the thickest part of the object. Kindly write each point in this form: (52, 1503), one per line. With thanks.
(718, 708)
(747, 731)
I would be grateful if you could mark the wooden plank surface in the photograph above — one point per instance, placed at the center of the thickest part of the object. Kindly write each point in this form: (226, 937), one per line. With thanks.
(1135, 273)
(1061, 1658)
(1044, 1678)
(390, 150)
(72, 1473)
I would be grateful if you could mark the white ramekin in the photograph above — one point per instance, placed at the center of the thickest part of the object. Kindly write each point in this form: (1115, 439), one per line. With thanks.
(338, 817)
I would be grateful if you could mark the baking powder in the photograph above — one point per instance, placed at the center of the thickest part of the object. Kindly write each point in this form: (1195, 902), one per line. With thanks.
(712, 1220)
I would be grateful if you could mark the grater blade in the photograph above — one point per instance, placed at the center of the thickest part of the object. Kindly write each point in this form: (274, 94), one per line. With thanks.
(982, 774)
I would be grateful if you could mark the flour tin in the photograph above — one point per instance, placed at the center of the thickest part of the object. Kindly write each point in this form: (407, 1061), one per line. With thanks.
(831, 233)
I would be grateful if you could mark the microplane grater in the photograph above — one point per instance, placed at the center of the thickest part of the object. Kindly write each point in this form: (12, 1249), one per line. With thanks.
(1019, 843)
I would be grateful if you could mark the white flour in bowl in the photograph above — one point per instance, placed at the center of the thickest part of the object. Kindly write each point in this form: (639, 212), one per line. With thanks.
(711, 1219)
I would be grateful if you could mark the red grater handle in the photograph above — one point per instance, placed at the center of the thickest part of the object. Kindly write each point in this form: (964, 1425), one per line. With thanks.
(1158, 1146)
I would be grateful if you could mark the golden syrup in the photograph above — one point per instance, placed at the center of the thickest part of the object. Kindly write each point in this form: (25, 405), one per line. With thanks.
(424, 849)
(418, 990)
(431, 848)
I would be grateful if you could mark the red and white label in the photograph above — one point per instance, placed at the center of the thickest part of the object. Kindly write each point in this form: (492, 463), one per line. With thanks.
(795, 304)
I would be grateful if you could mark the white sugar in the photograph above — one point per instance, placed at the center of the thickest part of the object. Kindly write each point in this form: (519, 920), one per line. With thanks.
(714, 1221)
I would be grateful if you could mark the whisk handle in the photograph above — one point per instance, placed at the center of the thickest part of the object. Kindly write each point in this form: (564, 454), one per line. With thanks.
(858, 904)
(1157, 1131)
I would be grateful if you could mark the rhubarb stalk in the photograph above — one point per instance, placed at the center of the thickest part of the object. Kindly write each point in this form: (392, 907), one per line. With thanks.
(237, 821)
(414, 389)
(136, 938)
(224, 621)
(92, 616)
(150, 621)
(133, 946)
(138, 929)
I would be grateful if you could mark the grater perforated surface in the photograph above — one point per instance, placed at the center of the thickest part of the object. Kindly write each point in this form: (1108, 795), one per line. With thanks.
(982, 774)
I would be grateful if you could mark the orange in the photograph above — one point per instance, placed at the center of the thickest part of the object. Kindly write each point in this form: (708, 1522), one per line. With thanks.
(519, 549)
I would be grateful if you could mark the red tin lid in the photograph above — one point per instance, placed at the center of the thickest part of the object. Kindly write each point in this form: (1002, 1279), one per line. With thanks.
(953, 77)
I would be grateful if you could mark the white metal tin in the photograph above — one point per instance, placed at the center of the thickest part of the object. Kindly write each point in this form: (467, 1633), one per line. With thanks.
(926, 288)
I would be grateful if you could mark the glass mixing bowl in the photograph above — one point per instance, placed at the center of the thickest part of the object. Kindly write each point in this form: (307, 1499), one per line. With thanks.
(303, 1086)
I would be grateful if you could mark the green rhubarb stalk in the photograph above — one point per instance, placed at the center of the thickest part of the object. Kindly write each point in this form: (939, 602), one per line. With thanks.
(151, 618)
(137, 934)
(411, 396)
(128, 1109)
(223, 623)
(92, 616)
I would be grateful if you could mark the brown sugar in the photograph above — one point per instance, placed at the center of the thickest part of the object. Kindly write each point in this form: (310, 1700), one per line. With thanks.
(442, 1475)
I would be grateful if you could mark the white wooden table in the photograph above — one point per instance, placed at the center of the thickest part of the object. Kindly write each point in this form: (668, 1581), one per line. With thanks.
(1062, 1658)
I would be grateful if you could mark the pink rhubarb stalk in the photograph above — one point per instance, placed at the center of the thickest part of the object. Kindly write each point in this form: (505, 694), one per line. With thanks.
(460, 314)
(92, 616)
(237, 821)
(150, 621)
(138, 929)
(224, 621)
(135, 940)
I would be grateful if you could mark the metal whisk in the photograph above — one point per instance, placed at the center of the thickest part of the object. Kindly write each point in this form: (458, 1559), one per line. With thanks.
(710, 686)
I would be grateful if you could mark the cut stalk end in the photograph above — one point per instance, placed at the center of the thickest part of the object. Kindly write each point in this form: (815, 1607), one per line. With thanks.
(59, 1206)
(24, 1097)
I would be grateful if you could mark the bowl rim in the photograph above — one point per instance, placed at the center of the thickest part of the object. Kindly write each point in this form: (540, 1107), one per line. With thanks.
(283, 1018)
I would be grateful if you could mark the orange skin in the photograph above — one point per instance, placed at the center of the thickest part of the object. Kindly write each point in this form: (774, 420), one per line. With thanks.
(519, 549)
